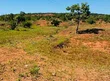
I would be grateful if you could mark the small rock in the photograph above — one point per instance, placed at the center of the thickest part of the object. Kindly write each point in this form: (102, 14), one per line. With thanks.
(54, 74)
(26, 66)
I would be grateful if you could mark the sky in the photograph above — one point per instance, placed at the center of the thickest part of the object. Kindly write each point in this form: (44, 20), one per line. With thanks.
(43, 6)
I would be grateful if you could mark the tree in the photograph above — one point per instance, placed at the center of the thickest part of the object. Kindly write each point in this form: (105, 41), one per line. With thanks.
(79, 12)
(19, 19)
(55, 22)
(22, 13)
(27, 24)
(11, 17)
(13, 25)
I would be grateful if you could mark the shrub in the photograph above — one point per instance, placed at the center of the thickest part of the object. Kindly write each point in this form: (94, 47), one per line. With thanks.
(34, 70)
(27, 24)
(60, 43)
(55, 22)
(90, 21)
(21, 75)
(20, 19)
(28, 18)
(13, 25)
(106, 18)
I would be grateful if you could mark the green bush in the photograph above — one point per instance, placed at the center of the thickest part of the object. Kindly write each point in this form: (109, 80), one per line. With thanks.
(27, 24)
(90, 21)
(34, 70)
(61, 42)
(13, 25)
(106, 18)
(20, 19)
(55, 22)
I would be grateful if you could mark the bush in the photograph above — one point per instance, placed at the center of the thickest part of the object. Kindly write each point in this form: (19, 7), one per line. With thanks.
(13, 25)
(34, 70)
(55, 22)
(27, 24)
(106, 18)
(90, 21)
(61, 42)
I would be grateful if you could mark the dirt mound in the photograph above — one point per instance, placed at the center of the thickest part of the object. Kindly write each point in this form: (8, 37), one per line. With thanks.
(66, 32)
(64, 24)
(101, 23)
(42, 23)
(101, 46)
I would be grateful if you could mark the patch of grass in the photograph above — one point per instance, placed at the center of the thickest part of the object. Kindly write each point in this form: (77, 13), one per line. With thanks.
(46, 45)
(19, 79)
(13, 37)
(4, 25)
(60, 42)
(34, 70)
(21, 75)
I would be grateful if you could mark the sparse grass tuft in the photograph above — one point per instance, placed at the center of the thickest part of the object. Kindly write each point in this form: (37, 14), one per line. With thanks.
(34, 70)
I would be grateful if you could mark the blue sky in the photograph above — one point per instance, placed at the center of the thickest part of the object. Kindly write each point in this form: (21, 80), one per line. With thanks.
(15, 6)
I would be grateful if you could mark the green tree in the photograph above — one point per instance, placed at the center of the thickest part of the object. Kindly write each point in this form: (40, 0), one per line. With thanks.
(19, 19)
(55, 22)
(27, 24)
(79, 12)
(22, 13)
(13, 25)
(11, 17)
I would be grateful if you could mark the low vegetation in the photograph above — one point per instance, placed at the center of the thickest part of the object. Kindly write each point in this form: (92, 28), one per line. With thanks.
(31, 52)
(55, 22)
(34, 70)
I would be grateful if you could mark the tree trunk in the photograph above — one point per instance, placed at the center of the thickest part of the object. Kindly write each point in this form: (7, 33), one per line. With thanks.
(78, 23)
(77, 28)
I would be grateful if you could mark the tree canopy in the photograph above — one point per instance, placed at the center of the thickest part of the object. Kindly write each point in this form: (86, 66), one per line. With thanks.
(80, 12)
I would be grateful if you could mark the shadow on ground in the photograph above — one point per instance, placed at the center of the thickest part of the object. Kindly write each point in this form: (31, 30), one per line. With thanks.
(91, 31)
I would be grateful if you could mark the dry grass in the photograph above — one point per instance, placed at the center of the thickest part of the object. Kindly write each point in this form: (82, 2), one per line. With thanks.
(60, 54)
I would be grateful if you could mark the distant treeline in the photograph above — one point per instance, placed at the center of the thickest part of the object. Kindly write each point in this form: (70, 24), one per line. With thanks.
(93, 18)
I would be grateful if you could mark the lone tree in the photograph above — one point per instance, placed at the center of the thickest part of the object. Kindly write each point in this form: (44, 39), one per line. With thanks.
(79, 12)
(21, 17)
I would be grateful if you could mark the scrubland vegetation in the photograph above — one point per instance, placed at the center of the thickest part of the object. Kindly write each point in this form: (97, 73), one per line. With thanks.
(45, 47)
